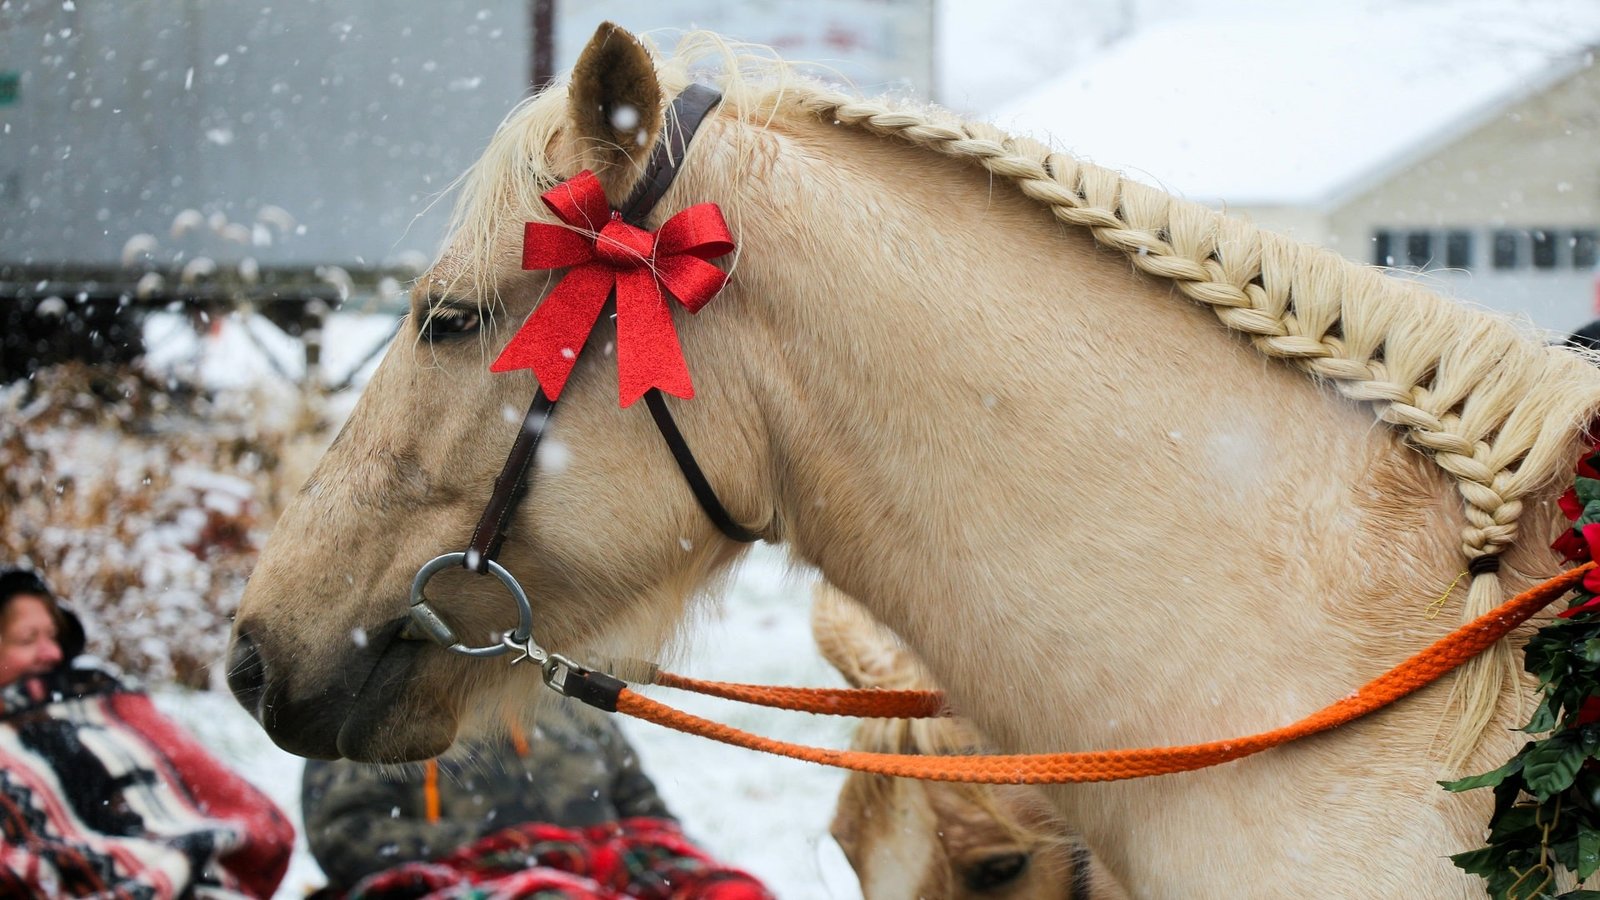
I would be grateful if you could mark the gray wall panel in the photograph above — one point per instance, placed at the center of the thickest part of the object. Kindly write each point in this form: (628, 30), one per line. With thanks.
(348, 115)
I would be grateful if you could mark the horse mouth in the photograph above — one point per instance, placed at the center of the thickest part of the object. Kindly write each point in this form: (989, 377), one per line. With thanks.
(370, 708)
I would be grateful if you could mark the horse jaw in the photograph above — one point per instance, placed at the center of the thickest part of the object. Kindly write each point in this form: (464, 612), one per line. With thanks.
(316, 653)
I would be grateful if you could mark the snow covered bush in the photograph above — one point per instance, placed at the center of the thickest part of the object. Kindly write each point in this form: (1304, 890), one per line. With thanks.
(143, 504)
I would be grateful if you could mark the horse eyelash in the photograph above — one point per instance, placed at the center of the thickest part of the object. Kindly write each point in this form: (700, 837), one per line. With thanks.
(470, 320)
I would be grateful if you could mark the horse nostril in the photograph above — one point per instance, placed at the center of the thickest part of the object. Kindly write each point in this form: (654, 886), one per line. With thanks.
(247, 673)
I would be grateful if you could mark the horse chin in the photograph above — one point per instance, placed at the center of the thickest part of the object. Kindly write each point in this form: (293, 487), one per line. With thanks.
(395, 718)
(401, 732)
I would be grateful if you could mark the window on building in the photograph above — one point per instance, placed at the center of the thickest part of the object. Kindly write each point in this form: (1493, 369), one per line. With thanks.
(1585, 248)
(1507, 249)
(1458, 249)
(1383, 248)
(1423, 248)
(1544, 248)
(1419, 249)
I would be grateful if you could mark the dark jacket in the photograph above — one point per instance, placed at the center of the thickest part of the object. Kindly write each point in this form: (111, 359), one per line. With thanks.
(574, 769)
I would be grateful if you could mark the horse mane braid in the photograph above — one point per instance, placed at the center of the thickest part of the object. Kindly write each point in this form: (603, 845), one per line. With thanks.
(1498, 412)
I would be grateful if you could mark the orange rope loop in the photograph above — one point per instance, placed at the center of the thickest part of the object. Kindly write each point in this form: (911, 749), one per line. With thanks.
(867, 703)
(1416, 672)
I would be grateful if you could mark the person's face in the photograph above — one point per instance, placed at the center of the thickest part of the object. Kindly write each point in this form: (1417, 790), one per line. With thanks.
(27, 639)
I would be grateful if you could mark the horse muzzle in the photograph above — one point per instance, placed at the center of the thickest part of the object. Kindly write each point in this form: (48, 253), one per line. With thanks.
(372, 691)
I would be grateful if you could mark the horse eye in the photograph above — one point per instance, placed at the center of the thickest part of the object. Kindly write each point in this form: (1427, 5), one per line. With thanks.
(450, 321)
(995, 871)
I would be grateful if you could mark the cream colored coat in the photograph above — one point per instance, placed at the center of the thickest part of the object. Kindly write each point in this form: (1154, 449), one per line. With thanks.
(969, 380)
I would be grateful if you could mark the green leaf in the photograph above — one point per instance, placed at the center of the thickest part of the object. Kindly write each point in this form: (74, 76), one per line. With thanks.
(1484, 862)
(1579, 895)
(1505, 796)
(1490, 779)
(1587, 489)
(1591, 651)
(1544, 718)
(1588, 853)
(1517, 820)
(1551, 765)
(1565, 853)
(1474, 782)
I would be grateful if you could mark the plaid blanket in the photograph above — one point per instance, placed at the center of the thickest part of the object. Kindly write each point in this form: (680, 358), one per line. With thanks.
(101, 796)
(634, 858)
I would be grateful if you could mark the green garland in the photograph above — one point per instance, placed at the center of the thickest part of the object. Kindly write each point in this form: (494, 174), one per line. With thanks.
(1547, 798)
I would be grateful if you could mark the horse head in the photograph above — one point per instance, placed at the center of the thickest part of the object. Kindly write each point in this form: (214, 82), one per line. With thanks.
(609, 542)
(939, 840)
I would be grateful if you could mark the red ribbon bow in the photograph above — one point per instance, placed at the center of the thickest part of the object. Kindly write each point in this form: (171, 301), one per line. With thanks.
(603, 252)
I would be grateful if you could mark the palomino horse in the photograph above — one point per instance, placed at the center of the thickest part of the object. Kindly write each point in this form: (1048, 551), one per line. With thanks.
(1053, 427)
(939, 840)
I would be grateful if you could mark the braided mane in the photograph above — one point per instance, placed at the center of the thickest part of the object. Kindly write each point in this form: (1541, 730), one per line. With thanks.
(1494, 408)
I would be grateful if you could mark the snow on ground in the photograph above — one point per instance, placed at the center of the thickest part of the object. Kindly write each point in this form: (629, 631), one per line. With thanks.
(768, 814)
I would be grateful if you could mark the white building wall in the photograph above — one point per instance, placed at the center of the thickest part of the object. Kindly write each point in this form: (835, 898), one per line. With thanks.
(1534, 169)
(1301, 223)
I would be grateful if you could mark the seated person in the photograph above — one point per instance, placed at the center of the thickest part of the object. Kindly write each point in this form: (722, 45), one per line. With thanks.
(103, 796)
(567, 796)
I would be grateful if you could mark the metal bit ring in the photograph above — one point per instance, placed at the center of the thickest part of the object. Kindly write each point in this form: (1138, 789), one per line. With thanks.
(428, 622)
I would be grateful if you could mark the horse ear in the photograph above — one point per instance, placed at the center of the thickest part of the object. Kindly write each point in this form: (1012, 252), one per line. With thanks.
(615, 102)
(863, 649)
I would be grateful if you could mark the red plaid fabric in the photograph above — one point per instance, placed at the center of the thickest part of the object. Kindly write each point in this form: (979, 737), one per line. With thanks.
(648, 859)
(102, 796)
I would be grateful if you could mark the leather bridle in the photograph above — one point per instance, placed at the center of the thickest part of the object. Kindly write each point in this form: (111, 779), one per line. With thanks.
(689, 110)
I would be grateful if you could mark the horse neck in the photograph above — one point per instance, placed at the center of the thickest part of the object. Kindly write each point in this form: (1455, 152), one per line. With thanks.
(1013, 449)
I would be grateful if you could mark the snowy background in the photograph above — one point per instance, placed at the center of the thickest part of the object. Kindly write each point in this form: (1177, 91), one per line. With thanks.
(149, 516)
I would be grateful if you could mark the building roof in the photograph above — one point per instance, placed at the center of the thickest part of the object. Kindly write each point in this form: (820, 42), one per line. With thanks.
(1304, 108)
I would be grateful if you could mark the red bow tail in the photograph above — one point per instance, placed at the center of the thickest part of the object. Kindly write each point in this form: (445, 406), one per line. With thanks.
(551, 339)
(648, 355)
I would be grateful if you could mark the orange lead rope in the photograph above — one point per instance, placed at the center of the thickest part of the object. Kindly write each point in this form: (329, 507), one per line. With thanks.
(430, 790)
(1422, 669)
(867, 704)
